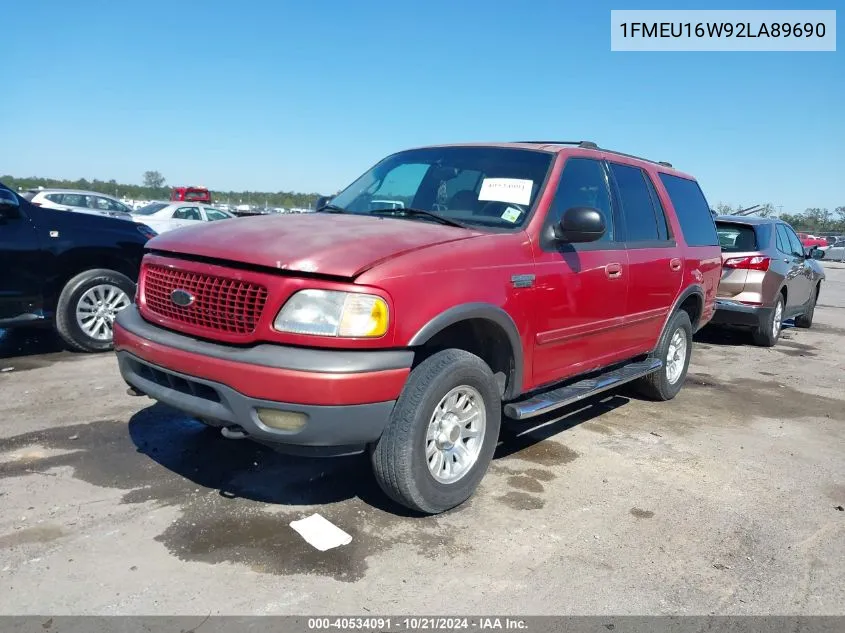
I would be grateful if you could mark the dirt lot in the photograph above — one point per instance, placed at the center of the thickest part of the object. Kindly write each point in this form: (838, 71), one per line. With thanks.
(723, 500)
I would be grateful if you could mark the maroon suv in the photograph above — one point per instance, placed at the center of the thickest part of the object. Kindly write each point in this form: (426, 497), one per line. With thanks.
(445, 286)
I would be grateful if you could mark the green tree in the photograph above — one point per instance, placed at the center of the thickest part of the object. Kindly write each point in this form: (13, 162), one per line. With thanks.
(153, 179)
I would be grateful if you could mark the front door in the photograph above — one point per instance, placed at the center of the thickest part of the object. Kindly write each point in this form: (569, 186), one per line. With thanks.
(799, 281)
(581, 289)
(21, 262)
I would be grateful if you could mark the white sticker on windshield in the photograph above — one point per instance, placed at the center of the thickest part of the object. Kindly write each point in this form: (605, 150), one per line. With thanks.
(511, 215)
(511, 190)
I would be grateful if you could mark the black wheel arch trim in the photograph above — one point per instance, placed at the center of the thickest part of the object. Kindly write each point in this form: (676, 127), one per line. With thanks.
(479, 310)
(693, 290)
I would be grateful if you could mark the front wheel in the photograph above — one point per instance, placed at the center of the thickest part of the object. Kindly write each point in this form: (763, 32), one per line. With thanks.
(441, 435)
(806, 319)
(674, 350)
(87, 308)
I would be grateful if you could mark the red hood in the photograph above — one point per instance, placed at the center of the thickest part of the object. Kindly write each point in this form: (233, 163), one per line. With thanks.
(329, 244)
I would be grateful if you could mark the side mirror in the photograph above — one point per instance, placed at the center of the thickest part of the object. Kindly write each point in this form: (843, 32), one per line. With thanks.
(816, 253)
(321, 202)
(581, 224)
(809, 252)
(10, 206)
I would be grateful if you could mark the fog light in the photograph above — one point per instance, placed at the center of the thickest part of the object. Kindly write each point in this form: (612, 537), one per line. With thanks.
(282, 420)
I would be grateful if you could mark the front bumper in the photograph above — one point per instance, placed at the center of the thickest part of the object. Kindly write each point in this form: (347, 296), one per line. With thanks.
(345, 397)
(734, 313)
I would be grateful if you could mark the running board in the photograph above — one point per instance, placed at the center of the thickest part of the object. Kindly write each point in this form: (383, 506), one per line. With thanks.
(562, 396)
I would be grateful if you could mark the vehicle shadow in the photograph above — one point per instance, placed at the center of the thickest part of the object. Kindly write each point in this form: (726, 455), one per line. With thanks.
(29, 341)
(730, 336)
(248, 470)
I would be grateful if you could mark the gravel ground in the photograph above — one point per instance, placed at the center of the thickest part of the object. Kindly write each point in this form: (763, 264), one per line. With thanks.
(726, 500)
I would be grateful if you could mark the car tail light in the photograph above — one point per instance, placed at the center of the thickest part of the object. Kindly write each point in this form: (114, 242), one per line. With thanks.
(755, 262)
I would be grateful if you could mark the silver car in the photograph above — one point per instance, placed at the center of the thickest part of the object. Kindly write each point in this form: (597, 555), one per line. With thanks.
(164, 216)
(835, 252)
(90, 202)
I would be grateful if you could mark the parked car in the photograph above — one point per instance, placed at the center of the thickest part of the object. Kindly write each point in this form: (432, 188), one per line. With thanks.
(191, 194)
(165, 217)
(530, 274)
(835, 252)
(72, 271)
(89, 202)
(767, 277)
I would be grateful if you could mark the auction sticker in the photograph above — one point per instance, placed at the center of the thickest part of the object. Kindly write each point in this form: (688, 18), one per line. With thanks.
(512, 190)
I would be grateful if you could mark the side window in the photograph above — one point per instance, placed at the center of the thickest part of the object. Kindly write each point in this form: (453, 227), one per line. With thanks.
(187, 213)
(103, 204)
(55, 197)
(214, 214)
(637, 207)
(794, 242)
(73, 200)
(662, 225)
(583, 184)
(783, 240)
(692, 210)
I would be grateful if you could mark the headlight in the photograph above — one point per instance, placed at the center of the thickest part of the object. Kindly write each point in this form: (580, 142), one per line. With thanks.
(333, 313)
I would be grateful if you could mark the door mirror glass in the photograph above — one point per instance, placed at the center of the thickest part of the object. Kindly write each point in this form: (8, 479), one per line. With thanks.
(9, 204)
(581, 224)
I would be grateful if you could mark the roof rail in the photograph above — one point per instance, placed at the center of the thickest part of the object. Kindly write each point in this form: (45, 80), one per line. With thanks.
(648, 160)
(584, 144)
(592, 145)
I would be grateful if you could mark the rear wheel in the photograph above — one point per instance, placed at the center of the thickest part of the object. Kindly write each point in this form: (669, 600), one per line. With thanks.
(768, 331)
(674, 350)
(442, 433)
(87, 308)
(806, 319)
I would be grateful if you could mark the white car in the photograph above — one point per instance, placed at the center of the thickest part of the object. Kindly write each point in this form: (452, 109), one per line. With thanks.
(166, 216)
(90, 202)
(835, 252)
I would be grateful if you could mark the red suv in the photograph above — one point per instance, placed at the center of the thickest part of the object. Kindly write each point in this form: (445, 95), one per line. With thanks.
(444, 287)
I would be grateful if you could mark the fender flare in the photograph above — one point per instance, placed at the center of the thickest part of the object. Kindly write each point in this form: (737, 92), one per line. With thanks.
(489, 312)
(688, 292)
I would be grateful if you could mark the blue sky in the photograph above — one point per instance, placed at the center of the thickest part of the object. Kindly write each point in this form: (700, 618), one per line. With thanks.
(307, 95)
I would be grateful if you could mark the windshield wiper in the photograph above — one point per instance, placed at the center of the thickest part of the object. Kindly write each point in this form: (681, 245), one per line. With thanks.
(405, 211)
(332, 208)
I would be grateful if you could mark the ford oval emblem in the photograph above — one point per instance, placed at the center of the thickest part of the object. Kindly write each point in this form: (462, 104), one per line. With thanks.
(181, 298)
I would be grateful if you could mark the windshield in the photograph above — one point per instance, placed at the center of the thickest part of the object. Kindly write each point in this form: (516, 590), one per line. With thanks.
(193, 194)
(150, 208)
(479, 186)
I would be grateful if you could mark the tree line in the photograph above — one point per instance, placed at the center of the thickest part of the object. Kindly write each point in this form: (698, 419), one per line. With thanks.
(812, 220)
(155, 188)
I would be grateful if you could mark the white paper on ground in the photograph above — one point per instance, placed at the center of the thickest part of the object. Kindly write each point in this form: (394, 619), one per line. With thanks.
(320, 532)
(513, 190)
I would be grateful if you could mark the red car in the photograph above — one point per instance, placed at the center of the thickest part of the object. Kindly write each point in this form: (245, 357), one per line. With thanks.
(808, 240)
(191, 194)
(445, 286)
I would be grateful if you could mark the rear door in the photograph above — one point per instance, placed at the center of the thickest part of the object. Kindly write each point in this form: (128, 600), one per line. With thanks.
(654, 257)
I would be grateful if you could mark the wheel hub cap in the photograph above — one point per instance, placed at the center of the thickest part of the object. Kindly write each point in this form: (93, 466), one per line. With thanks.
(455, 434)
(676, 356)
(97, 308)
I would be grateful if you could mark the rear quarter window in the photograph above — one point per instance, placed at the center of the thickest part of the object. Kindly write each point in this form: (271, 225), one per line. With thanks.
(692, 210)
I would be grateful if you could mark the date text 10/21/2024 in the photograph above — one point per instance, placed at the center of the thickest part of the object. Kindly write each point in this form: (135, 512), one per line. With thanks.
(418, 624)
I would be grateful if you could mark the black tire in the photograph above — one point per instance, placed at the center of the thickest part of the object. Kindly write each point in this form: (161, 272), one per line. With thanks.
(66, 322)
(657, 386)
(765, 334)
(806, 320)
(399, 457)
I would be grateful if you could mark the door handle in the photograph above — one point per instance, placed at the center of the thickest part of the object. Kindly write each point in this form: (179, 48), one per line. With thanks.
(675, 264)
(613, 271)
